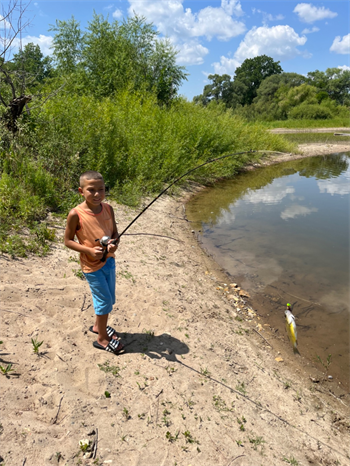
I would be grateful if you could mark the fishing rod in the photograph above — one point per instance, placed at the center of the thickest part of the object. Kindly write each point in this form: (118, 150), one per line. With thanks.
(105, 240)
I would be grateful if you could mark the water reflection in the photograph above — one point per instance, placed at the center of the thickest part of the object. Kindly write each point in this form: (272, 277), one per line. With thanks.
(284, 231)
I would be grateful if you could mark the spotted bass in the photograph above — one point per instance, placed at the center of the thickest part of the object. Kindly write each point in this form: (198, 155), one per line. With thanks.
(291, 330)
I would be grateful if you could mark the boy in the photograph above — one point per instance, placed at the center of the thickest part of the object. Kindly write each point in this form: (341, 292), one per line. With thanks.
(90, 221)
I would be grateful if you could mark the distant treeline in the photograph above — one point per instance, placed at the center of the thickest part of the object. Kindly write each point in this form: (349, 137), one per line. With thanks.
(260, 90)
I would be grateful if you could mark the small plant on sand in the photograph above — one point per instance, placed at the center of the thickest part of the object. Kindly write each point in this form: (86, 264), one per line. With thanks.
(105, 367)
(256, 442)
(172, 438)
(290, 460)
(36, 345)
(149, 334)
(84, 445)
(79, 274)
(205, 372)
(241, 388)
(188, 436)
(126, 414)
(126, 274)
(220, 404)
(6, 370)
(325, 363)
(241, 421)
(107, 394)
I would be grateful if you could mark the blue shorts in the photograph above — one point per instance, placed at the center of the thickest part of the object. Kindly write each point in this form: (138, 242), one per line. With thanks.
(102, 286)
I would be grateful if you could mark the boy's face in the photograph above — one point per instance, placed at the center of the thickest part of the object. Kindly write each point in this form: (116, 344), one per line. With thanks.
(93, 191)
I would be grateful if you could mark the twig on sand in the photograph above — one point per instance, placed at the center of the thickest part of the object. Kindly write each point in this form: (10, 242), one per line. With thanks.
(95, 445)
(14, 312)
(24, 461)
(82, 306)
(341, 401)
(159, 393)
(234, 459)
(262, 337)
(59, 407)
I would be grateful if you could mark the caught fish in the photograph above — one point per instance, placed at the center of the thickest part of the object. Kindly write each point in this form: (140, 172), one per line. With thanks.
(291, 329)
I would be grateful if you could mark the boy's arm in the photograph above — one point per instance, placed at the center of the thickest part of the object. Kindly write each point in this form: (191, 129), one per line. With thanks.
(113, 247)
(71, 227)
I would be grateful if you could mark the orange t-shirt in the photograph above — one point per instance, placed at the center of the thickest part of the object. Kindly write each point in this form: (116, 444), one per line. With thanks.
(92, 227)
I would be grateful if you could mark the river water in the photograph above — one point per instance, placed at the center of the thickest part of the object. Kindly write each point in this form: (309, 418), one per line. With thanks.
(282, 232)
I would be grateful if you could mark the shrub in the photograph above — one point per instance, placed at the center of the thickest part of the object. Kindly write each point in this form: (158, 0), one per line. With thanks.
(310, 112)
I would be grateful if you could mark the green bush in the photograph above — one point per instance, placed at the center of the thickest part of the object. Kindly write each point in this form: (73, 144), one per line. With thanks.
(310, 112)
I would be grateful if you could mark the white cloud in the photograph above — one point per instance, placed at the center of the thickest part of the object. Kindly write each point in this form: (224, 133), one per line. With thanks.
(309, 13)
(4, 24)
(44, 43)
(268, 16)
(185, 27)
(174, 21)
(344, 67)
(272, 194)
(340, 185)
(232, 7)
(226, 66)
(310, 31)
(279, 42)
(117, 14)
(341, 45)
(297, 210)
(191, 53)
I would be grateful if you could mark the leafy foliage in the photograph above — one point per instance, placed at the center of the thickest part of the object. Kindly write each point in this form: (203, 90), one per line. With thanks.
(261, 91)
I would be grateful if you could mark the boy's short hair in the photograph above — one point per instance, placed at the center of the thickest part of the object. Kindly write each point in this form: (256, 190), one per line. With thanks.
(90, 175)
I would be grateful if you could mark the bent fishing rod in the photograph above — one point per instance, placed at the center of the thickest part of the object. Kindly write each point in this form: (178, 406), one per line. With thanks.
(105, 240)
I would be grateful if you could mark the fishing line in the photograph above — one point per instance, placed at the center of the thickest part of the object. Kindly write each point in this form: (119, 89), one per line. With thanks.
(175, 181)
(260, 406)
(105, 240)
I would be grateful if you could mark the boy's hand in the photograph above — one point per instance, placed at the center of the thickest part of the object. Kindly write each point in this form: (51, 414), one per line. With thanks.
(96, 252)
(112, 247)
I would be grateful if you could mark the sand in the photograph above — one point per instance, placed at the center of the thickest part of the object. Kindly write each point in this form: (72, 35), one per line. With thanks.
(203, 380)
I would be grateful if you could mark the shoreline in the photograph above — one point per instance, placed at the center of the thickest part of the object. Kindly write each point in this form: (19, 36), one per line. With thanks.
(197, 384)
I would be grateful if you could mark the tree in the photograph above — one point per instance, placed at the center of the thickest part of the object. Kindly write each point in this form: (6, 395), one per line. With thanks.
(110, 57)
(222, 89)
(271, 85)
(334, 81)
(253, 71)
(164, 75)
(31, 65)
(67, 44)
(12, 95)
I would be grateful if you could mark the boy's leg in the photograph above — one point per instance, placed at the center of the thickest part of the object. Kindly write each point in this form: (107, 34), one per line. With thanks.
(102, 285)
(96, 327)
(101, 328)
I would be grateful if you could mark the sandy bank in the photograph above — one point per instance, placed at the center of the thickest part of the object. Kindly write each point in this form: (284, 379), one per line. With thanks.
(309, 130)
(202, 381)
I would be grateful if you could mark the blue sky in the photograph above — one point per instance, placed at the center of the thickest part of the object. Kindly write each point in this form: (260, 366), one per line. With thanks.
(216, 36)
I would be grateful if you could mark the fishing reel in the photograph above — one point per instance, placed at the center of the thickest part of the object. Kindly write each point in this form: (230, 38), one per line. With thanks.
(104, 242)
